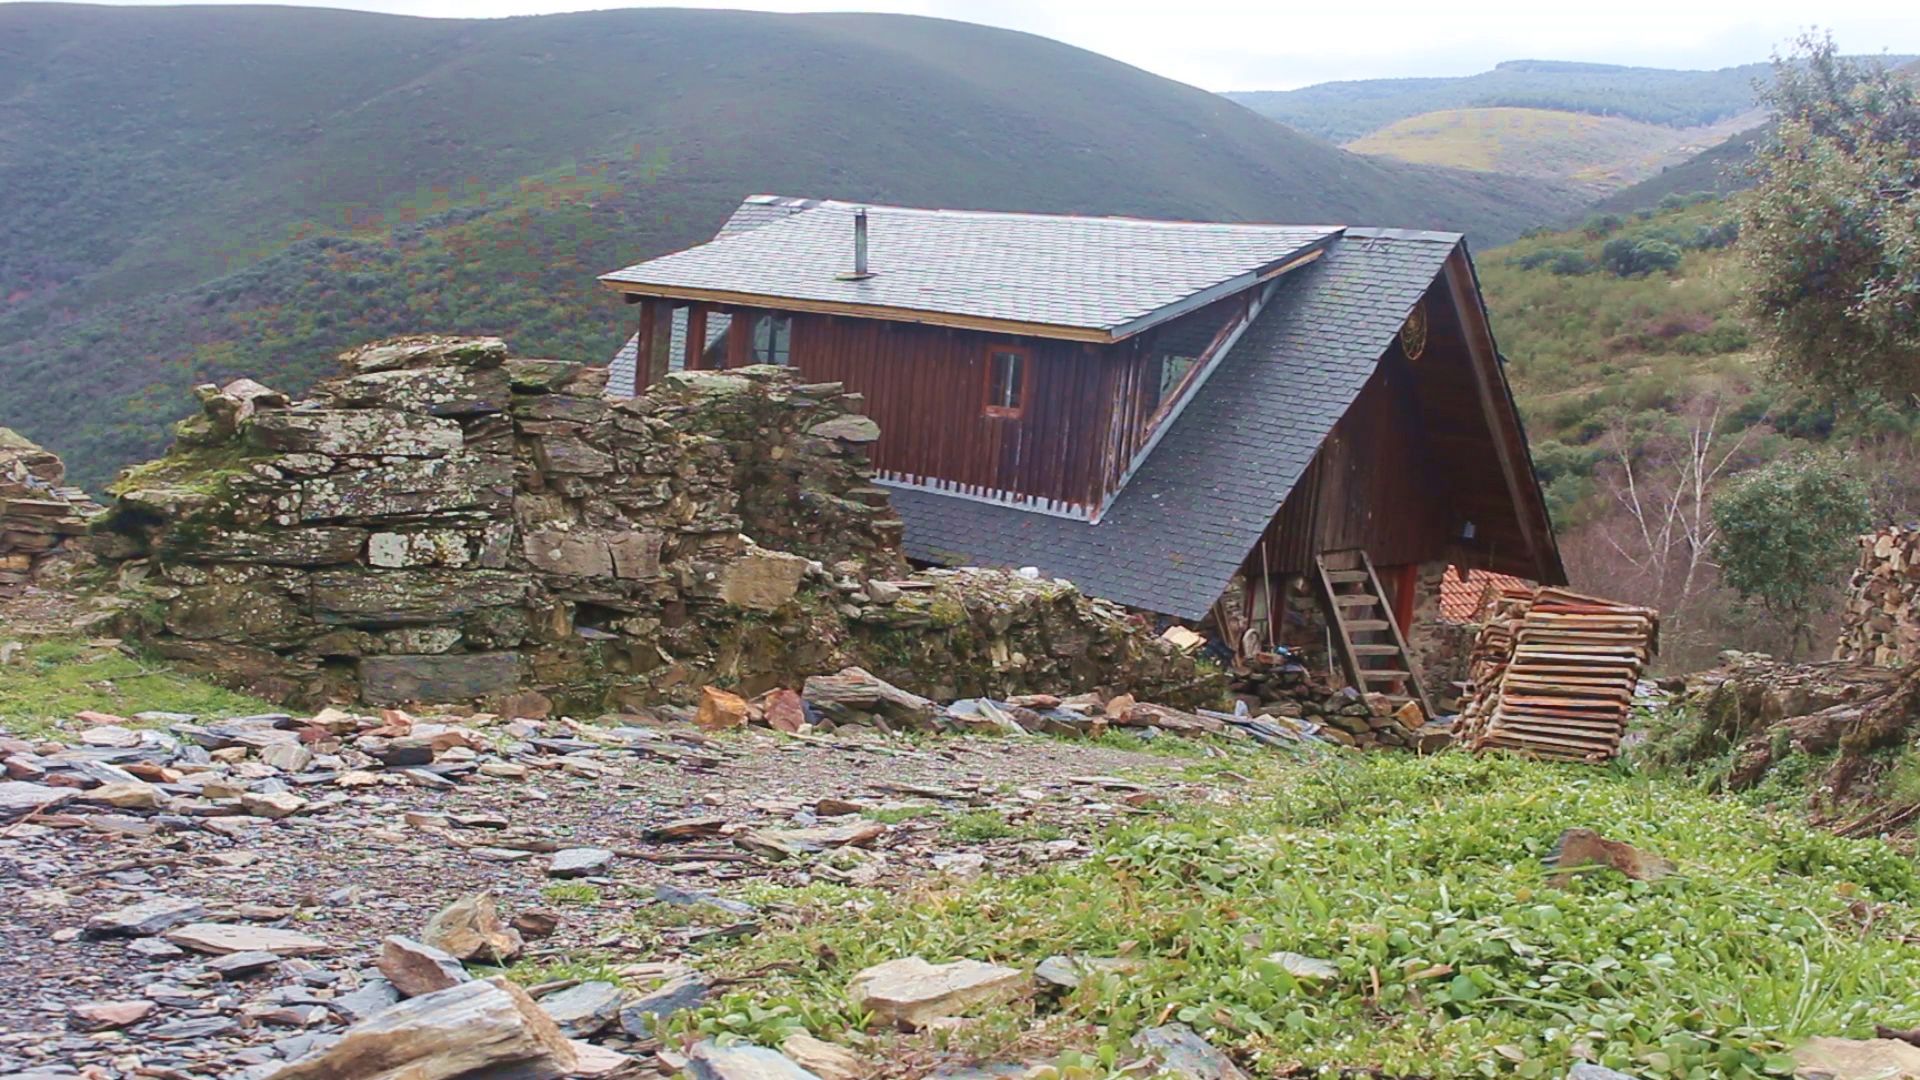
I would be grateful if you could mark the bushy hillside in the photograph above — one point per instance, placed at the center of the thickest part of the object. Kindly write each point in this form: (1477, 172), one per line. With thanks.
(1599, 153)
(1719, 169)
(167, 174)
(1643, 397)
(1343, 111)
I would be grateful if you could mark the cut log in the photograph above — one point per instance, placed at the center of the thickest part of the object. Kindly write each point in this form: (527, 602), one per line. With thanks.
(489, 1028)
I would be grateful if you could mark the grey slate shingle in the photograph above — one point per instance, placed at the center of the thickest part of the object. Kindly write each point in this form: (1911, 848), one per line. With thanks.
(1175, 535)
(1079, 272)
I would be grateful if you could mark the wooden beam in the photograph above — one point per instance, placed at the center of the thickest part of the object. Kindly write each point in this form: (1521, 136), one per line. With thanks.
(1496, 405)
(696, 336)
(740, 337)
(643, 345)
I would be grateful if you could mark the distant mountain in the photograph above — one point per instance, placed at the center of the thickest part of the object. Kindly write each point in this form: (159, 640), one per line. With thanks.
(1344, 111)
(191, 193)
(1596, 153)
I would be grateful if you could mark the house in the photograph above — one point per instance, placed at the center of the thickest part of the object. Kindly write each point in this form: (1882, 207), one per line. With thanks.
(1206, 421)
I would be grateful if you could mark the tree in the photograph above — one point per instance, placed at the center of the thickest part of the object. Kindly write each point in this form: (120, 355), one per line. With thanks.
(1831, 230)
(1785, 533)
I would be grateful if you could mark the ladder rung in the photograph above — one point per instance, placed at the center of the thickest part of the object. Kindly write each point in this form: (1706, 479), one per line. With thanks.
(1386, 674)
(1376, 650)
(1357, 600)
(1366, 624)
(1339, 577)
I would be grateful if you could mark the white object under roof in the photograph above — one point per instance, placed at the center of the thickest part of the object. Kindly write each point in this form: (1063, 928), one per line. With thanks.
(1082, 278)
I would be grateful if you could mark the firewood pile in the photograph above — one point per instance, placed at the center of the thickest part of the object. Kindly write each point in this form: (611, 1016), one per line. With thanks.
(1880, 624)
(1553, 674)
(38, 512)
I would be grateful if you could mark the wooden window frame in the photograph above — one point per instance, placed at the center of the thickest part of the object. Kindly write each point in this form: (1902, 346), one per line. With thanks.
(773, 320)
(1002, 412)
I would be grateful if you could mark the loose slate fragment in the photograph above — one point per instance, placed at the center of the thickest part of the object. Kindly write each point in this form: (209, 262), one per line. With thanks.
(146, 918)
(220, 939)
(913, 993)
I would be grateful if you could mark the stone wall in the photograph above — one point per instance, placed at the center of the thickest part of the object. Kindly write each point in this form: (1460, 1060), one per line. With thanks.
(445, 523)
(39, 514)
(1880, 622)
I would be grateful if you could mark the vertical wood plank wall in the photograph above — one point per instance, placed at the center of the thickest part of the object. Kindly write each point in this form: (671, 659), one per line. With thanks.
(926, 387)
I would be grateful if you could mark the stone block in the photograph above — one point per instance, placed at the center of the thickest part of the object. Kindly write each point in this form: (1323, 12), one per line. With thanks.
(370, 432)
(432, 391)
(410, 597)
(394, 680)
(762, 580)
(434, 485)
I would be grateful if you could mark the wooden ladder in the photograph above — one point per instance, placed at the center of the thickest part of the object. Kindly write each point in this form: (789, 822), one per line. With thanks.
(1373, 651)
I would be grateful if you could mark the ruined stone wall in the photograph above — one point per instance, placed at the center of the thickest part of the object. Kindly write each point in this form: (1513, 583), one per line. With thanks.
(39, 514)
(445, 523)
(1880, 622)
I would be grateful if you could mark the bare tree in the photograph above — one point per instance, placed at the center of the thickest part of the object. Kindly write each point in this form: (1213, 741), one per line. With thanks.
(1660, 528)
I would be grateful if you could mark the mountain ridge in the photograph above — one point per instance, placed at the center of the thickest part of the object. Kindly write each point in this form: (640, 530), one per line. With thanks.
(353, 174)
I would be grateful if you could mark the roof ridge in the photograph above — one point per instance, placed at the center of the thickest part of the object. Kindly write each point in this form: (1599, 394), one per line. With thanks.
(1042, 215)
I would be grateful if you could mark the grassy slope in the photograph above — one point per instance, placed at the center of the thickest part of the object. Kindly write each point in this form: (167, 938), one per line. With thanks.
(1598, 152)
(1718, 168)
(1421, 881)
(482, 171)
(44, 686)
(1343, 111)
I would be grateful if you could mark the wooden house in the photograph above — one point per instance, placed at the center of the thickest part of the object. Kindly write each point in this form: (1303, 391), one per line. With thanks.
(1169, 414)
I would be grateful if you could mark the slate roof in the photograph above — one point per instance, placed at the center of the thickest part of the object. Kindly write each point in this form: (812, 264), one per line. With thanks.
(1179, 530)
(1112, 276)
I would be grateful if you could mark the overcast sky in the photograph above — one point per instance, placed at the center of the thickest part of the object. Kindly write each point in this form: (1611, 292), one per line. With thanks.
(1279, 44)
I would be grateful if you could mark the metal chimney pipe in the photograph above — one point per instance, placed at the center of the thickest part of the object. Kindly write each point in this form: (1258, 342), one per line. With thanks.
(860, 243)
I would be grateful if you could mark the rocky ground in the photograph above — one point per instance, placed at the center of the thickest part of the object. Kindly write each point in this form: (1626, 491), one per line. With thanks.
(287, 842)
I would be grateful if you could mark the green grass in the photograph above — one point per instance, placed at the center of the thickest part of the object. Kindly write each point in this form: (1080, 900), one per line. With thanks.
(1420, 877)
(570, 892)
(894, 815)
(54, 679)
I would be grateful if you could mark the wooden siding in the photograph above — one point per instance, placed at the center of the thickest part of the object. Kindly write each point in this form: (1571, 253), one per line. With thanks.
(1371, 485)
(1410, 464)
(926, 387)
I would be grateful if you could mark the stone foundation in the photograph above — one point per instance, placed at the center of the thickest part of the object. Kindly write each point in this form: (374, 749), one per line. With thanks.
(445, 523)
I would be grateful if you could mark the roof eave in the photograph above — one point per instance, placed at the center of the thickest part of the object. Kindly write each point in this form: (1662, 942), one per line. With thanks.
(640, 290)
(635, 290)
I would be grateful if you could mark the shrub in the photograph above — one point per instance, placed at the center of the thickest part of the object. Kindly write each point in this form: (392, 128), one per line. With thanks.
(1634, 256)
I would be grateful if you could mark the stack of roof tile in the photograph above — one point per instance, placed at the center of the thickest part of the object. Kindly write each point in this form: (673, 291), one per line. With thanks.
(1553, 674)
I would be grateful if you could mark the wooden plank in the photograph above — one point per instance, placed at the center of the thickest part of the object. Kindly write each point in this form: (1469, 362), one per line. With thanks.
(696, 345)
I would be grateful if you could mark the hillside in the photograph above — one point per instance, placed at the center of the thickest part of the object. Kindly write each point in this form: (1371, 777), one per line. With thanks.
(1344, 111)
(355, 174)
(1717, 169)
(1598, 153)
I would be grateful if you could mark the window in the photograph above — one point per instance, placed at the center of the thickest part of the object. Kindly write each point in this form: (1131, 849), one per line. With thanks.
(1006, 380)
(1173, 370)
(773, 340)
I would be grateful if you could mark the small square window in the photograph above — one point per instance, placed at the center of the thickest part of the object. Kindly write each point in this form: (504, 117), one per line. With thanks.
(1006, 381)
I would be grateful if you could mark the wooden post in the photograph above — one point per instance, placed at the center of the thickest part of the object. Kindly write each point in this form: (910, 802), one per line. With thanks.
(643, 350)
(696, 336)
(740, 338)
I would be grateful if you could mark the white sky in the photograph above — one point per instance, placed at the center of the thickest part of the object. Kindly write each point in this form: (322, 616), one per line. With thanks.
(1279, 44)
